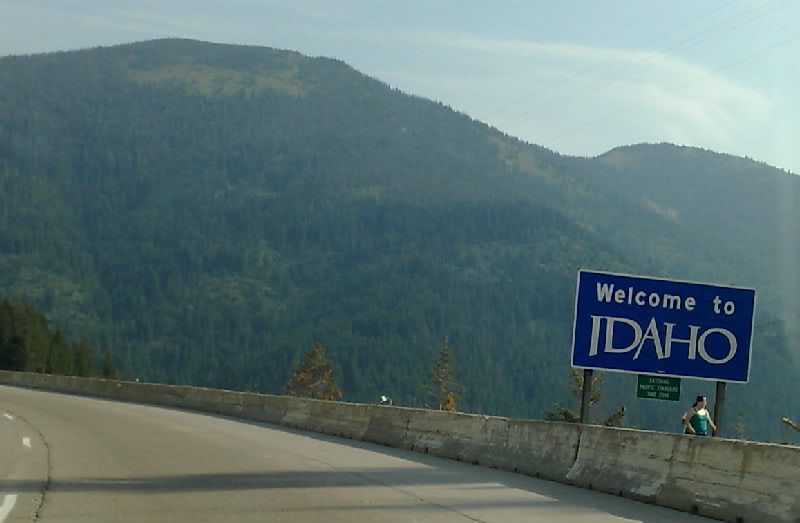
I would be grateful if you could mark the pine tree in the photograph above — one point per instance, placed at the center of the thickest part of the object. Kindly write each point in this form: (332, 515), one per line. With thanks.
(58, 356)
(84, 359)
(576, 386)
(561, 413)
(13, 354)
(444, 388)
(314, 378)
(28, 344)
(109, 372)
(739, 427)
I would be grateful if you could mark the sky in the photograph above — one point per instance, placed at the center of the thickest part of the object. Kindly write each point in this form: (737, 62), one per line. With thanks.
(578, 77)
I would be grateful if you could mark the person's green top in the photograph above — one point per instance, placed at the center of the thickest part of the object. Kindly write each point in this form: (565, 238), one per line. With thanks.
(699, 422)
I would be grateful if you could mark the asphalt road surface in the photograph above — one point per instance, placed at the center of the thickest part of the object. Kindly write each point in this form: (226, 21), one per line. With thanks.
(67, 459)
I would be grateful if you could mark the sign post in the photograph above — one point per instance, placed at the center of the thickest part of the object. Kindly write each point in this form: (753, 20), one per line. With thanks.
(719, 403)
(663, 329)
(586, 394)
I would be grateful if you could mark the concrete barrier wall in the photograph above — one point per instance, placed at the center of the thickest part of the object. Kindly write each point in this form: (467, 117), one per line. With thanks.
(736, 481)
(541, 448)
(623, 462)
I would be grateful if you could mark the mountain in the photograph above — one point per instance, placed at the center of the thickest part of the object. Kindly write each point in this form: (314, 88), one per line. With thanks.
(207, 212)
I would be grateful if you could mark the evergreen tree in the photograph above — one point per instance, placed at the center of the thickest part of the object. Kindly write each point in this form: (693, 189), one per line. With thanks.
(568, 414)
(13, 354)
(28, 344)
(109, 372)
(314, 378)
(59, 360)
(84, 360)
(576, 386)
(561, 413)
(444, 389)
(739, 426)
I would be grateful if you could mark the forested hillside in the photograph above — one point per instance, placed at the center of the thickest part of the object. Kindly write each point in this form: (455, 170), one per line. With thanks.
(206, 213)
(29, 344)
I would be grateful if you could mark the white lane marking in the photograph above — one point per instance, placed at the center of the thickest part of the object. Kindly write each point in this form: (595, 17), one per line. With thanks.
(9, 416)
(7, 506)
(26, 441)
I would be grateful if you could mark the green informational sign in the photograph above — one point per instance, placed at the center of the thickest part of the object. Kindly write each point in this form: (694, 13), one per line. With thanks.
(658, 388)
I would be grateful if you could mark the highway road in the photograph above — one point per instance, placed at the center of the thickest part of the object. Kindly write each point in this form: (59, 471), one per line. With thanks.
(70, 459)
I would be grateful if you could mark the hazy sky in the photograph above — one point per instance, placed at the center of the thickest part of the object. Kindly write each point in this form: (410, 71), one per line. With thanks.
(579, 77)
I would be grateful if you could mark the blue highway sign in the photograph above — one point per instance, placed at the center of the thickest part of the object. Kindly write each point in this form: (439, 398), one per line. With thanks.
(662, 327)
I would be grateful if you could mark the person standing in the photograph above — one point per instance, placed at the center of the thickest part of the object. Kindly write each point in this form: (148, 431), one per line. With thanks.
(697, 419)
